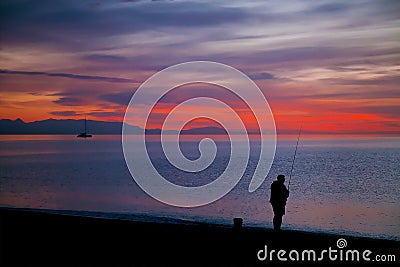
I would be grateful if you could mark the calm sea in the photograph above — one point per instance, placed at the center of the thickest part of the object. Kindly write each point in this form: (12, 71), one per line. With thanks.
(343, 185)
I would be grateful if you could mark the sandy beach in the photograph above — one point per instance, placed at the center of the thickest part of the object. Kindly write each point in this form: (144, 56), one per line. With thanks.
(39, 238)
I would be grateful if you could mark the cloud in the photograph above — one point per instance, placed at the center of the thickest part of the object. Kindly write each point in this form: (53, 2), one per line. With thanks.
(42, 22)
(103, 58)
(301, 54)
(105, 114)
(386, 80)
(261, 76)
(329, 7)
(70, 76)
(69, 101)
(122, 98)
(65, 113)
(388, 111)
(392, 124)
(178, 95)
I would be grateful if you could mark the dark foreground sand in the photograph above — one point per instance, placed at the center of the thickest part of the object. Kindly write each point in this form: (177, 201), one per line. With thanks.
(39, 238)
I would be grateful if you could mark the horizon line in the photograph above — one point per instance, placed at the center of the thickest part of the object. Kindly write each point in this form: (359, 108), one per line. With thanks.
(169, 132)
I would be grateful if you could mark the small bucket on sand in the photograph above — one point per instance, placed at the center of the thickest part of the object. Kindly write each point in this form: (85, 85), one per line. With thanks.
(237, 223)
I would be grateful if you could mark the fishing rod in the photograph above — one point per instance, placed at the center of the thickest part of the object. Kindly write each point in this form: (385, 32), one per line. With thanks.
(294, 157)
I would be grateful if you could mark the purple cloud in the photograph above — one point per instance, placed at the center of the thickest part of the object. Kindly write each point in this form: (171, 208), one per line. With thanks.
(69, 75)
(105, 114)
(69, 101)
(104, 58)
(65, 113)
(122, 98)
(261, 76)
(42, 22)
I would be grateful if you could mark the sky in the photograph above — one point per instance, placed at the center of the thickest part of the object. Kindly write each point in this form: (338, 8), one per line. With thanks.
(330, 65)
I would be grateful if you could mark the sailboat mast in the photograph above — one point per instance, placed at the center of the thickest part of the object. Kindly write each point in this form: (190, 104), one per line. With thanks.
(84, 134)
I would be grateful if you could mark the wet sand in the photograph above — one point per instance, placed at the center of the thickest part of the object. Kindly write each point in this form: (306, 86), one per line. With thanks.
(39, 238)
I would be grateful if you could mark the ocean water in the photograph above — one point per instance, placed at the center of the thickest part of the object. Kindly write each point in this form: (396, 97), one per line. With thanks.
(342, 185)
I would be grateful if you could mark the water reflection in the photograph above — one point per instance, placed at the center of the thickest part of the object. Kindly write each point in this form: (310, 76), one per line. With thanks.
(336, 186)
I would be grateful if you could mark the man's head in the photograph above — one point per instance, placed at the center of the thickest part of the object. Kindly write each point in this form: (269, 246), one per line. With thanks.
(281, 178)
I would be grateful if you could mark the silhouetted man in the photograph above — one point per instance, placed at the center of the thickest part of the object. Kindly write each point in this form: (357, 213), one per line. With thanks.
(279, 195)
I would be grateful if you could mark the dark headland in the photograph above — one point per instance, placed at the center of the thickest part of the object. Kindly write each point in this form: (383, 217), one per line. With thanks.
(31, 237)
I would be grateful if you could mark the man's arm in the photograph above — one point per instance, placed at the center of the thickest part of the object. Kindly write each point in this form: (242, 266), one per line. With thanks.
(287, 192)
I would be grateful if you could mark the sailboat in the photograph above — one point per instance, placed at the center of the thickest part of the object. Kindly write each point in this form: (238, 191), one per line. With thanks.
(84, 134)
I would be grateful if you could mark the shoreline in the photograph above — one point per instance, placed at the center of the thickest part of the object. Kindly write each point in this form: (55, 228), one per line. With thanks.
(150, 218)
(32, 237)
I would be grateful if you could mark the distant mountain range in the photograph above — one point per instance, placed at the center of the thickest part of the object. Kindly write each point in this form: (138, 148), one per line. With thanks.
(53, 126)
